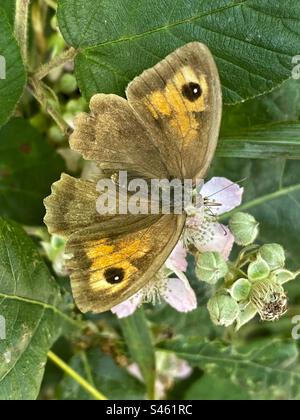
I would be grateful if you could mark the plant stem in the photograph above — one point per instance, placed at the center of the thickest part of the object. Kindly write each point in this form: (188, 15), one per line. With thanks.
(38, 22)
(74, 375)
(38, 90)
(261, 200)
(21, 27)
(56, 62)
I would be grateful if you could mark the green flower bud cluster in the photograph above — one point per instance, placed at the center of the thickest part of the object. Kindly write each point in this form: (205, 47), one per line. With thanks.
(253, 284)
(55, 251)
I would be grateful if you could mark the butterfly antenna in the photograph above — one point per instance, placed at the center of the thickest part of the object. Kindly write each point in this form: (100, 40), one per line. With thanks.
(216, 219)
(228, 186)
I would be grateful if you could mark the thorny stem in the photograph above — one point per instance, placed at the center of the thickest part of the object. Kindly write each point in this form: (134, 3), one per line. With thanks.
(56, 62)
(21, 27)
(74, 375)
(261, 200)
(38, 90)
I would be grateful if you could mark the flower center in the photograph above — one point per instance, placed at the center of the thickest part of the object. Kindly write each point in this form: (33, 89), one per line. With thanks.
(199, 228)
(153, 291)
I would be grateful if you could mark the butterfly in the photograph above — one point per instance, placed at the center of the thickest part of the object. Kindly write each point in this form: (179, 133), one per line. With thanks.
(166, 128)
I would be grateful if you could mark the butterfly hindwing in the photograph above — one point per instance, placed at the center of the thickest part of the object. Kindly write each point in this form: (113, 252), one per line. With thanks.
(107, 268)
(72, 208)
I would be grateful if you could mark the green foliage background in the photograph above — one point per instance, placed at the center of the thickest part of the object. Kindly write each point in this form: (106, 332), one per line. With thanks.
(105, 44)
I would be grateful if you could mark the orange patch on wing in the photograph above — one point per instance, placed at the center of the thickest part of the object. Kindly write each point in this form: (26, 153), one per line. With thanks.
(103, 255)
(172, 104)
(160, 103)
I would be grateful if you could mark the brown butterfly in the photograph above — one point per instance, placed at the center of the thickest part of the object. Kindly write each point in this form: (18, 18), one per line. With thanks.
(167, 128)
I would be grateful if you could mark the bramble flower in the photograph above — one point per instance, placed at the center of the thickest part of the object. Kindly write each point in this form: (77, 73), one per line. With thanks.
(169, 368)
(202, 230)
(178, 258)
(170, 284)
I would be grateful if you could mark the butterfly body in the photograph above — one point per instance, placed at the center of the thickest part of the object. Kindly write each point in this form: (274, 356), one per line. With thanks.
(166, 129)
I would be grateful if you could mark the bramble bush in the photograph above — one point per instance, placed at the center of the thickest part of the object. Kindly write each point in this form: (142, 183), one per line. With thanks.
(53, 57)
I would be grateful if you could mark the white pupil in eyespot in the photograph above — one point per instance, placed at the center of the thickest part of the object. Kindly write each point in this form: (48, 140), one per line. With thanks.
(196, 90)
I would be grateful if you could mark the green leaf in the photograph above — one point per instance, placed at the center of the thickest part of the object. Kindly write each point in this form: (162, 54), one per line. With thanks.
(28, 167)
(13, 83)
(29, 304)
(210, 388)
(280, 105)
(264, 127)
(102, 372)
(265, 369)
(118, 40)
(9, 6)
(139, 341)
(280, 140)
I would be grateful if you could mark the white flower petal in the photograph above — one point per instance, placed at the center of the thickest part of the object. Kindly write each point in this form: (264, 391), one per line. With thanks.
(221, 242)
(135, 371)
(223, 191)
(128, 307)
(179, 294)
(184, 370)
(177, 260)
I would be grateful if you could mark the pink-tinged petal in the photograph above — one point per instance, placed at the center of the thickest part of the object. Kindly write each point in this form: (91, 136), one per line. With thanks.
(179, 294)
(184, 370)
(178, 258)
(135, 371)
(222, 241)
(223, 191)
(128, 307)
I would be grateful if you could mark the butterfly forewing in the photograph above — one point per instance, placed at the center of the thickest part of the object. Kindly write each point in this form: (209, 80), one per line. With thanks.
(180, 102)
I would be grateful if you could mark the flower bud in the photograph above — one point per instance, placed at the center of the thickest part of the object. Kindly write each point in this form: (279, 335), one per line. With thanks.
(274, 255)
(240, 290)
(244, 228)
(58, 242)
(210, 267)
(55, 134)
(223, 310)
(76, 105)
(67, 84)
(258, 270)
